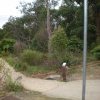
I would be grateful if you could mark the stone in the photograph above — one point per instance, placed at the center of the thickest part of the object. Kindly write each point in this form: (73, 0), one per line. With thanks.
(53, 77)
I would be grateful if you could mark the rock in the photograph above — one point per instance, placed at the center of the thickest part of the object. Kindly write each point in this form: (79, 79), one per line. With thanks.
(53, 77)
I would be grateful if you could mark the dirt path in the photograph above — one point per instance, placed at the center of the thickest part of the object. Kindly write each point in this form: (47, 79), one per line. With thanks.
(69, 90)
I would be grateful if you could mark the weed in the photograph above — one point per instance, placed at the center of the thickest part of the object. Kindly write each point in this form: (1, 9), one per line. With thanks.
(11, 85)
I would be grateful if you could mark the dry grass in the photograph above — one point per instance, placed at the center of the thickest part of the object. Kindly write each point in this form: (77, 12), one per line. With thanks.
(93, 71)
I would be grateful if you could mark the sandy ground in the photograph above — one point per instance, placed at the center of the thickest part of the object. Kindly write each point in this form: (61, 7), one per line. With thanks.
(69, 90)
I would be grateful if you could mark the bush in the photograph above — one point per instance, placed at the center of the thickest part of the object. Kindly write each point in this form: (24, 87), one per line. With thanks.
(40, 41)
(11, 60)
(20, 66)
(58, 41)
(6, 45)
(58, 45)
(65, 49)
(16, 63)
(32, 57)
(96, 52)
(11, 85)
(74, 44)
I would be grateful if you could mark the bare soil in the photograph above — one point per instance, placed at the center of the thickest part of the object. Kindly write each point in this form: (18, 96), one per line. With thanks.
(9, 98)
(27, 95)
(93, 72)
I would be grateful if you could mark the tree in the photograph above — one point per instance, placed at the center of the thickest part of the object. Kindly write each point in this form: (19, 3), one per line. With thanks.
(2, 35)
(97, 13)
(95, 5)
(41, 12)
(58, 45)
(72, 20)
(32, 25)
(6, 45)
(48, 23)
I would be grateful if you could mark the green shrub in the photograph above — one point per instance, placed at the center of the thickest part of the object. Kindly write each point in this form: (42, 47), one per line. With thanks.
(6, 46)
(65, 49)
(74, 44)
(96, 52)
(11, 85)
(32, 57)
(39, 69)
(40, 41)
(17, 63)
(11, 60)
(58, 41)
(20, 66)
(58, 45)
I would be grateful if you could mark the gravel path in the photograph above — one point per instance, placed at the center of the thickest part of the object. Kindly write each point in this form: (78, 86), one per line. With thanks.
(69, 90)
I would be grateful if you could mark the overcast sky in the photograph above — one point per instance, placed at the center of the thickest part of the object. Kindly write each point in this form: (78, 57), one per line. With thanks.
(8, 8)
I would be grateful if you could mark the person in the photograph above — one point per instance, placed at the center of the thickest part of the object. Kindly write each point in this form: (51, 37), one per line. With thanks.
(64, 70)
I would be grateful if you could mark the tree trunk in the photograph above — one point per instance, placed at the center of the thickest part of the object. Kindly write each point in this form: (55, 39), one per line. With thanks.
(98, 28)
(97, 21)
(48, 24)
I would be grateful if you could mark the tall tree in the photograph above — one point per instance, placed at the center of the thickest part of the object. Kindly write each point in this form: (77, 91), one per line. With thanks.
(95, 4)
(72, 20)
(48, 22)
(97, 13)
(31, 27)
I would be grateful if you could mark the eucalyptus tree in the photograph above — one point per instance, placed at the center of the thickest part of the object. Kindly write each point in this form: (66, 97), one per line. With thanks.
(94, 5)
(31, 27)
(41, 12)
(71, 13)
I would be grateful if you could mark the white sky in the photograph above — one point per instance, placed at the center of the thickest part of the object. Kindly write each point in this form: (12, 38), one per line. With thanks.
(8, 8)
